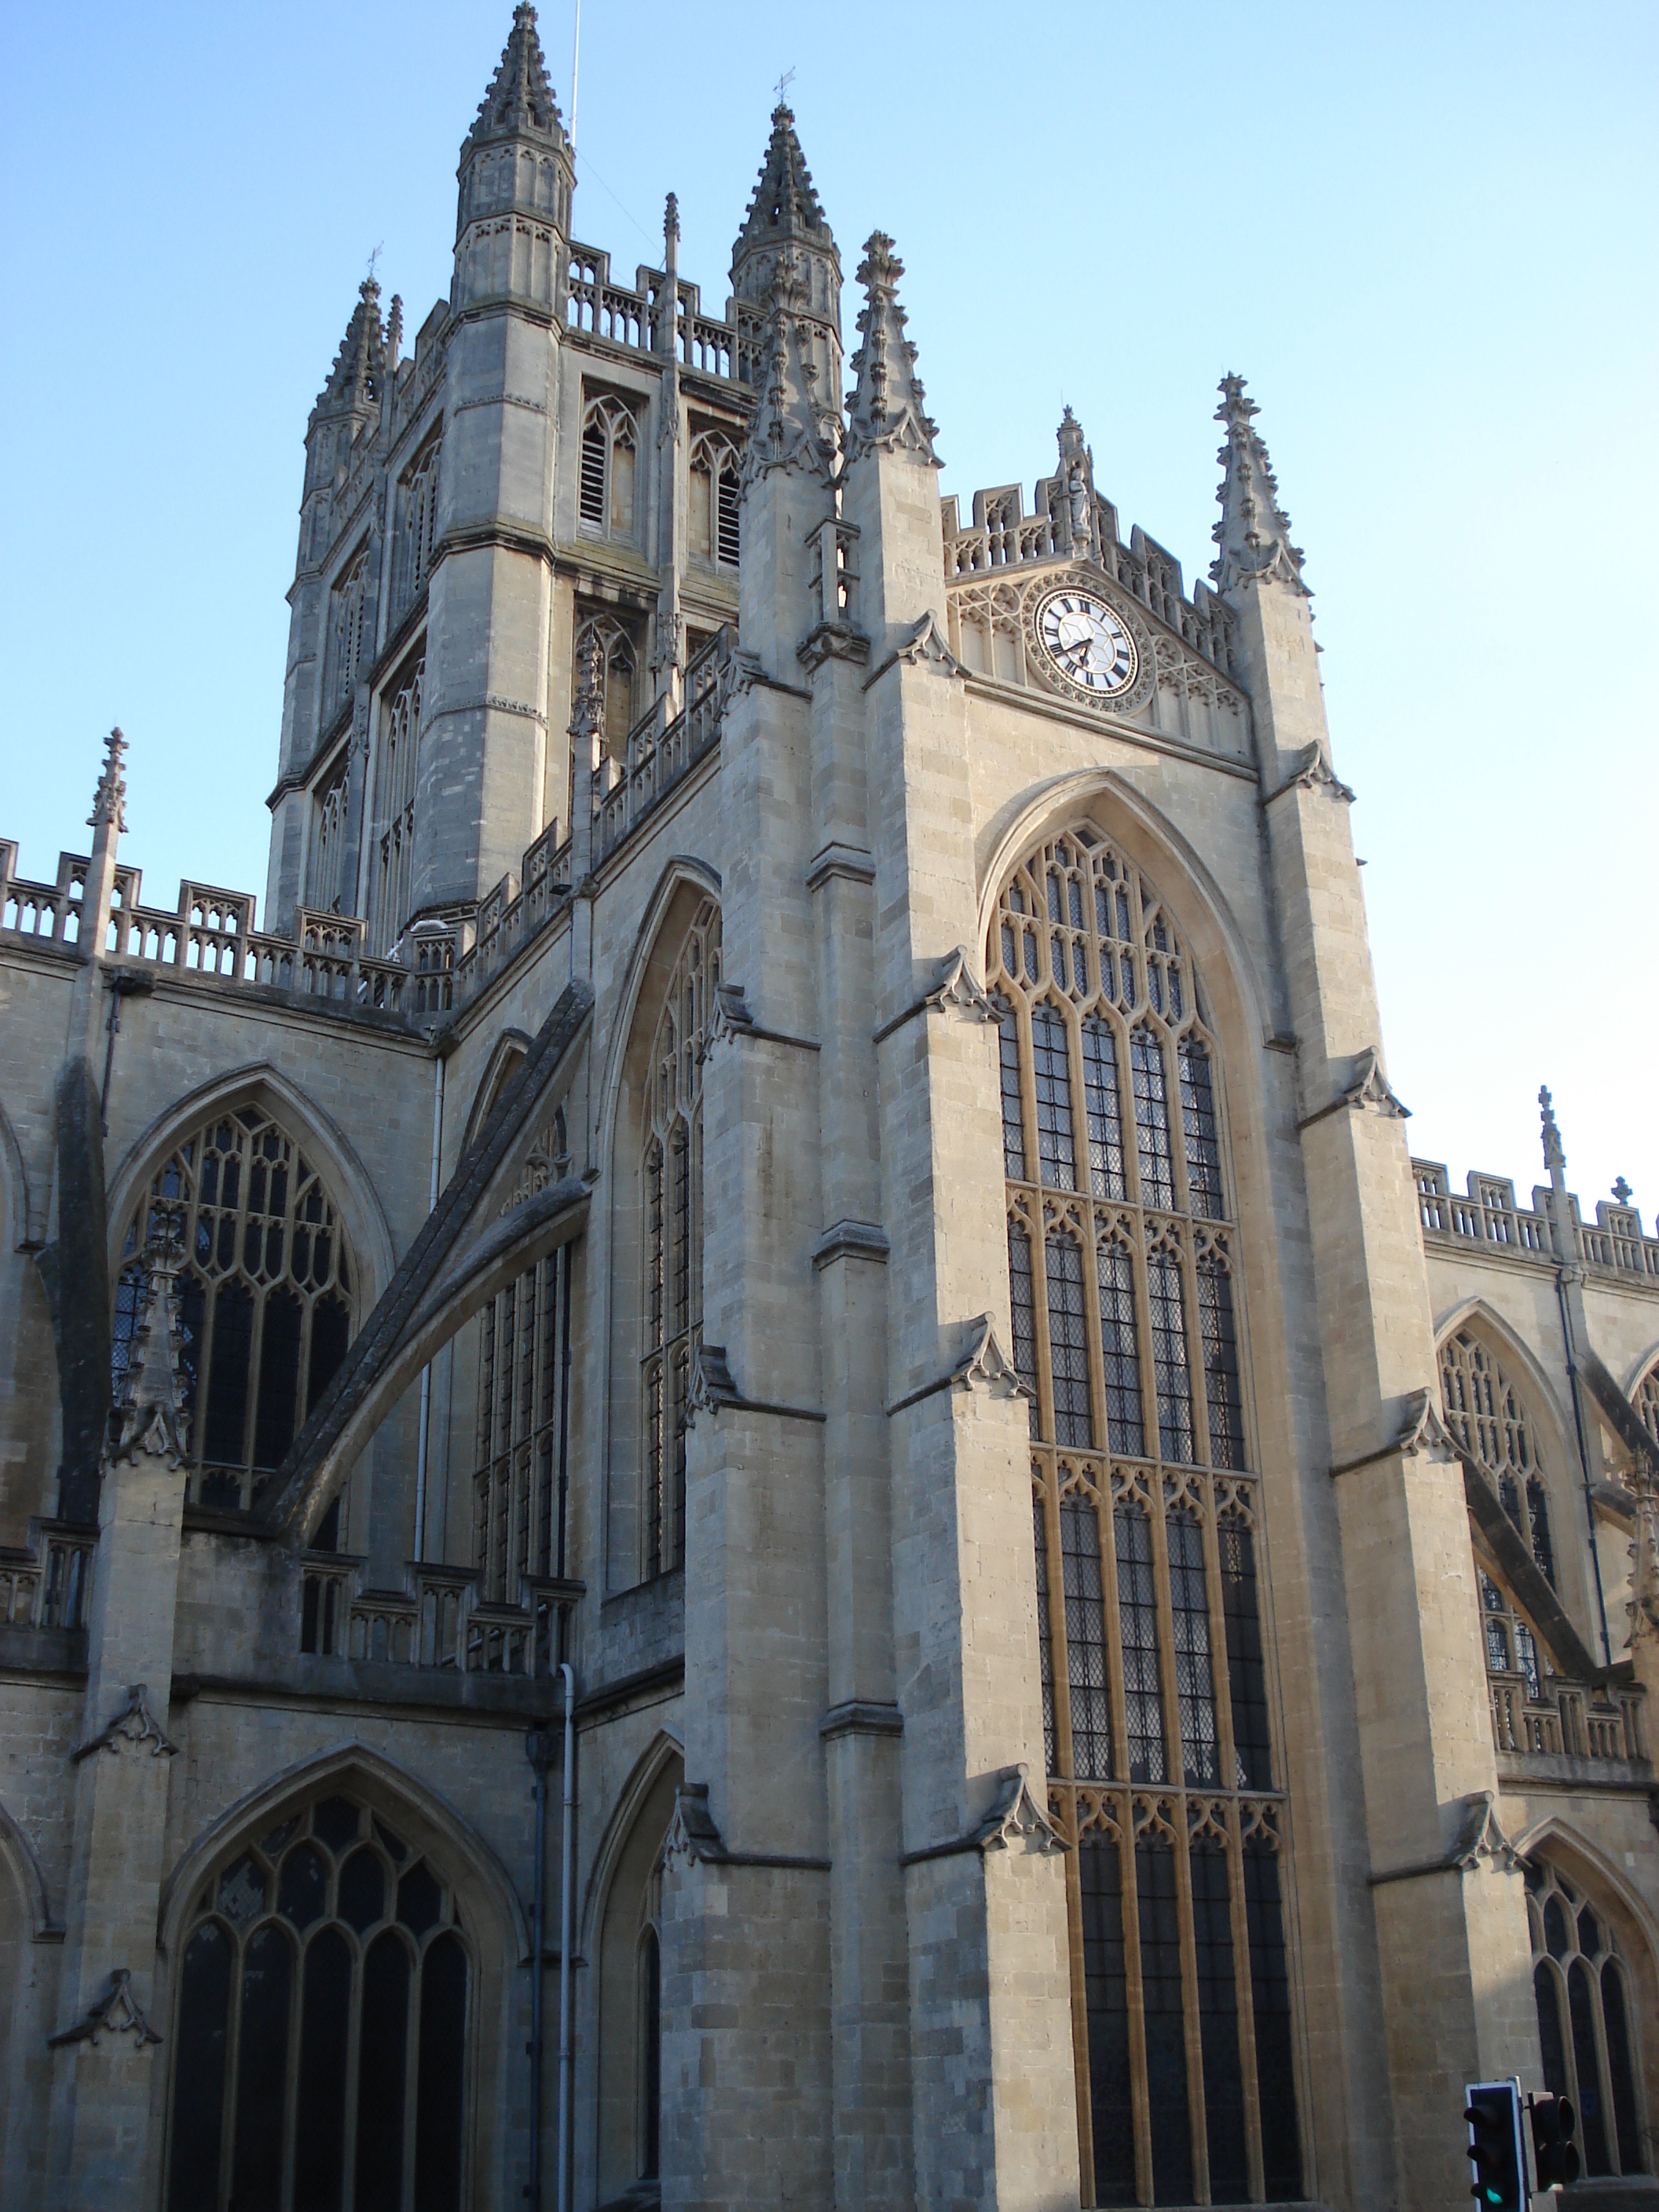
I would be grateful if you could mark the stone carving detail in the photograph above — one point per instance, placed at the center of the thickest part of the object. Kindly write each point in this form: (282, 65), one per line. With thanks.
(1311, 770)
(109, 800)
(1481, 1837)
(712, 1382)
(730, 1016)
(692, 1834)
(791, 430)
(135, 1724)
(1423, 1433)
(927, 646)
(1368, 1090)
(150, 1419)
(1017, 1818)
(116, 2013)
(1254, 533)
(984, 1363)
(956, 991)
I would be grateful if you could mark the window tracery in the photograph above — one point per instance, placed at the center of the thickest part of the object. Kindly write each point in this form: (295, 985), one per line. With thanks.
(1645, 1399)
(319, 2054)
(1122, 1274)
(715, 501)
(346, 639)
(1489, 1417)
(417, 525)
(328, 843)
(610, 448)
(672, 1192)
(1587, 2021)
(265, 1297)
(618, 671)
(395, 777)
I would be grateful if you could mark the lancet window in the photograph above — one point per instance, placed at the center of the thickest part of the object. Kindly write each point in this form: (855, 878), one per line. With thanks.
(672, 1192)
(715, 501)
(346, 639)
(327, 869)
(320, 2051)
(1127, 1326)
(1587, 2021)
(610, 449)
(265, 1296)
(394, 809)
(417, 525)
(1489, 1419)
(524, 1379)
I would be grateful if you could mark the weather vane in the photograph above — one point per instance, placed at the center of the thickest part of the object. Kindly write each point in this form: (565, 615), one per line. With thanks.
(372, 260)
(784, 83)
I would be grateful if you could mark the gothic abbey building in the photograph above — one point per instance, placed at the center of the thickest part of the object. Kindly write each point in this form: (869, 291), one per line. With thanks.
(751, 1474)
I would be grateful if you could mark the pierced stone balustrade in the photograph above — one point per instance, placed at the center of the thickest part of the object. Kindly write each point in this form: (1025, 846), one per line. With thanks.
(437, 1619)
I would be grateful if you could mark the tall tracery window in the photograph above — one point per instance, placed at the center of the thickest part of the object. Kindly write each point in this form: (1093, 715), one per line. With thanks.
(524, 1359)
(265, 1297)
(394, 809)
(1127, 1320)
(417, 525)
(346, 639)
(328, 841)
(1489, 1419)
(319, 2054)
(611, 444)
(671, 1180)
(1587, 2021)
(716, 499)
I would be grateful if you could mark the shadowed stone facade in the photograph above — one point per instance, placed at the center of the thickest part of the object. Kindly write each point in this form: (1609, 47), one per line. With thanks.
(801, 1172)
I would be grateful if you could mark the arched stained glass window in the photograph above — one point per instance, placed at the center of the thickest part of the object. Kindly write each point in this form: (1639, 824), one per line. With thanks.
(1586, 2021)
(672, 1179)
(1129, 1330)
(319, 2050)
(1489, 1417)
(265, 1296)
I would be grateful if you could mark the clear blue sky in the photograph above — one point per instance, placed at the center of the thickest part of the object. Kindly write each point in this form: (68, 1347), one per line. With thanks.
(1423, 233)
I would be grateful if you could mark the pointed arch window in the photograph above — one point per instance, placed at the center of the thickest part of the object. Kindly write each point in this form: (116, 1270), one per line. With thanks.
(320, 2055)
(715, 494)
(395, 776)
(1645, 1399)
(1587, 2021)
(1487, 1415)
(610, 450)
(327, 865)
(1128, 1326)
(347, 614)
(671, 1174)
(417, 525)
(265, 1296)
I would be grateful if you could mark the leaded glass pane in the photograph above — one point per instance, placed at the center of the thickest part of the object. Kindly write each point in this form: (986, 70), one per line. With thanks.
(1056, 1143)
(1137, 1615)
(1085, 1641)
(1068, 1343)
(1195, 1673)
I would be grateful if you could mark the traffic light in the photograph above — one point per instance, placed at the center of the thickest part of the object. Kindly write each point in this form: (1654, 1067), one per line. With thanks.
(1496, 2150)
(1555, 2161)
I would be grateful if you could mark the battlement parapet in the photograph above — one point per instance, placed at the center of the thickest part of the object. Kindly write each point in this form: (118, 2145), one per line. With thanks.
(1489, 1215)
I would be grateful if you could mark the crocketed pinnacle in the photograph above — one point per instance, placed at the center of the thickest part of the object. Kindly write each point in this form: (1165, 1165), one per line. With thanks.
(790, 428)
(149, 1417)
(1254, 533)
(886, 406)
(355, 378)
(109, 800)
(520, 102)
(785, 208)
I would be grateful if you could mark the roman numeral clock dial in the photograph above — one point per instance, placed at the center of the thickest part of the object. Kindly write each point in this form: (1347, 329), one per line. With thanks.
(1087, 643)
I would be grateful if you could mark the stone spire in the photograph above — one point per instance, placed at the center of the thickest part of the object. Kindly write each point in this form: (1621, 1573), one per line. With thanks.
(519, 103)
(1254, 533)
(886, 407)
(355, 379)
(109, 800)
(149, 1416)
(786, 227)
(792, 427)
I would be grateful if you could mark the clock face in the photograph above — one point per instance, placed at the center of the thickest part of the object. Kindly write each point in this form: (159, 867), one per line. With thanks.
(1087, 642)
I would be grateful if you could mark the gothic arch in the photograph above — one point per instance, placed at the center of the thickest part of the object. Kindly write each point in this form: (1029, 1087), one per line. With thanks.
(474, 1866)
(1486, 1321)
(1639, 1370)
(684, 873)
(1148, 838)
(1555, 1837)
(15, 1177)
(511, 1050)
(18, 1854)
(259, 1083)
(664, 1751)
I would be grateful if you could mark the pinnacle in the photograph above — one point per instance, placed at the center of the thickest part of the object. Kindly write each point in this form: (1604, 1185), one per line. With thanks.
(109, 800)
(520, 99)
(784, 205)
(355, 378)
(1254, 533)
(887, 406)
(150, 1413)
(790, 428)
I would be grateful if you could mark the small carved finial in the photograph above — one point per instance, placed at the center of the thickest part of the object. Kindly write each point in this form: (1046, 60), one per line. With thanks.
(588, 707)
(1621, 1192)
(671, 219)
(394, 323)
(1555, 1158)
(1254, 533)
(109, 800)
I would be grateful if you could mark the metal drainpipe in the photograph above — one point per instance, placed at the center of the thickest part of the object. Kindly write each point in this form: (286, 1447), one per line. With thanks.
(426, 1372)
(538, 1750)
(567, 1933)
